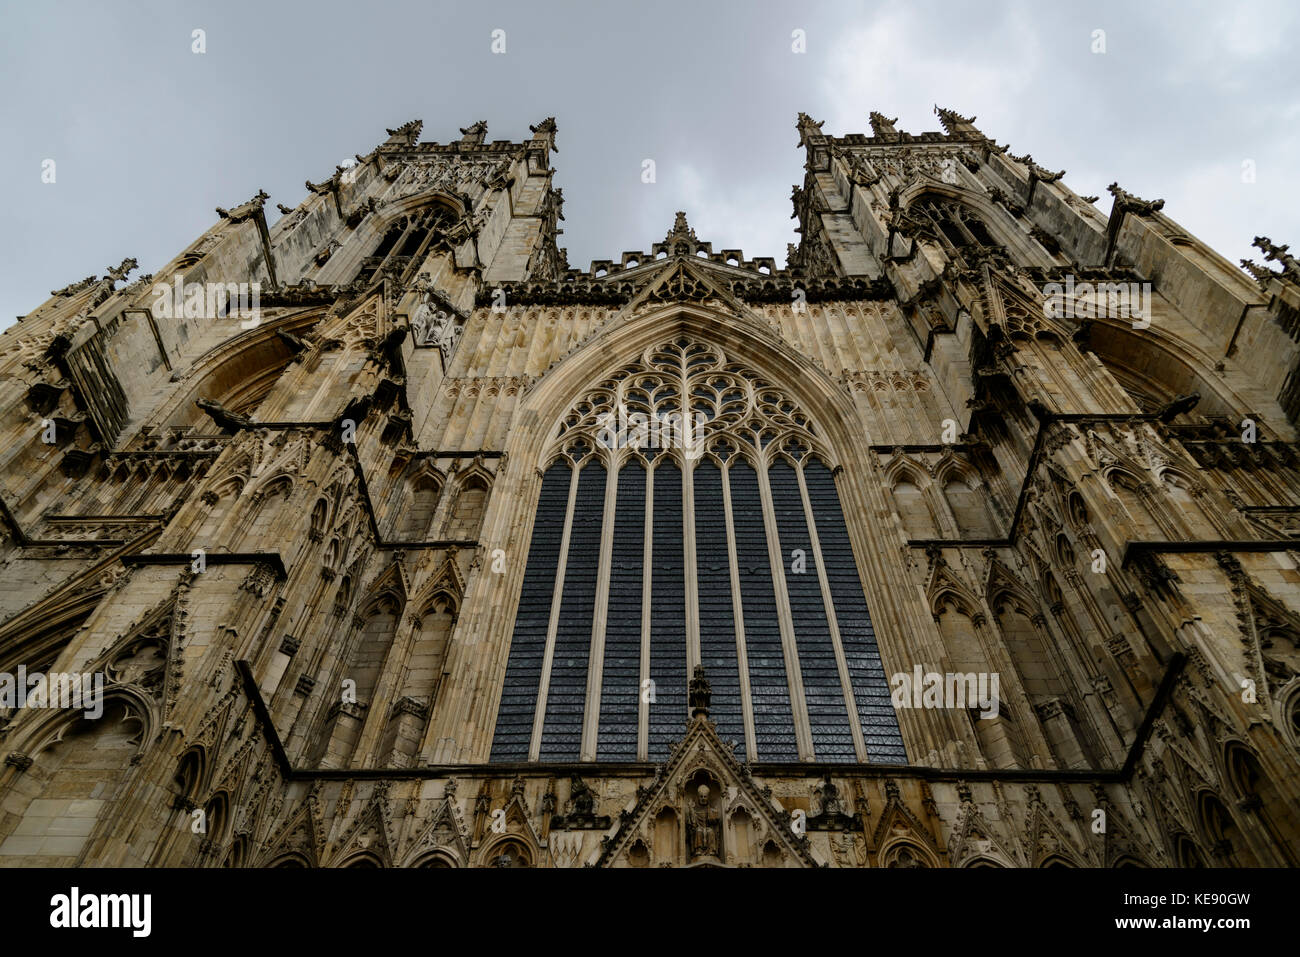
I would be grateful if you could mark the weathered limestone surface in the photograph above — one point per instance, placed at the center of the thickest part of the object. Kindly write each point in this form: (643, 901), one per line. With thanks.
(291, 533)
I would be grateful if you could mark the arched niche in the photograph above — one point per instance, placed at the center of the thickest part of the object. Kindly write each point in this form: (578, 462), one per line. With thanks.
(55, 805)
(401, 232)
(466, 514)
(666, 834)
(1257, 796)
(239, 373)
(964, 218)
(511, 851)
(742, 828)
(1155, 367)
(1224, 835)
(914, 507)
(417, 520)
(906, 855)
(968, 500)
(438, 859)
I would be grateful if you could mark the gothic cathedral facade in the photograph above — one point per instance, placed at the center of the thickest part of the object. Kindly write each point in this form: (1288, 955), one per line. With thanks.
(971, 537)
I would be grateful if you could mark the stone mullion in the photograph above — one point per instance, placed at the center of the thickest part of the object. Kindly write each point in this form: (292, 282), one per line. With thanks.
(600, 615)
(905, 627)
(442, 507)
(798, 703)
(387, 690)
(1032, 727)
(841, 663)
(557, 596)
(688, 526)
(463, 715)
(647, 599)
(283, 703)
(1109, 735)
(689, 568)
(738, 618)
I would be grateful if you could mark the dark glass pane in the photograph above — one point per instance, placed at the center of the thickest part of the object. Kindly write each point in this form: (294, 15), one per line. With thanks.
(528, 644)
(823, 692)
(717, 628)
(866, 674)
(667, 614)
(620, 688)
(566, 697)
(773, 719)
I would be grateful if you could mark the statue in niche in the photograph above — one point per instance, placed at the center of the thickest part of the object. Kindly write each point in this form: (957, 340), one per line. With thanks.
(446, 337)
(702, 826)
(584, 804)
(907, 859)
(432, 326)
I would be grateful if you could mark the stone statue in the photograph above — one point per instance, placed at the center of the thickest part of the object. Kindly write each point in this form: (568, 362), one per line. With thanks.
(702, 828)
(429, 324)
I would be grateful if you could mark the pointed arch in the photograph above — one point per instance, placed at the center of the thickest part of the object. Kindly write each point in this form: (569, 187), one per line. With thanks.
(468, 504)
(1135, 494)
(239, 373)
(912, 489)
(427, 485)
(750, 387)
(76, 775)
(255, 526)
(1257, 796)
(999, 228)
(388, 231)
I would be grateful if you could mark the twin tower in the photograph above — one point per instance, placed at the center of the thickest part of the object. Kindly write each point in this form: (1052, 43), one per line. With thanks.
(969, 537)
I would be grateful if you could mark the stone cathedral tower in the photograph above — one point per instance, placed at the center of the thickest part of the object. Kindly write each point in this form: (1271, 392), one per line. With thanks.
(969, 538)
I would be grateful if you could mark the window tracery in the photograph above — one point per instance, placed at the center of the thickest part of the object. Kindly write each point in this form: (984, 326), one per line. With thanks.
(689, 516)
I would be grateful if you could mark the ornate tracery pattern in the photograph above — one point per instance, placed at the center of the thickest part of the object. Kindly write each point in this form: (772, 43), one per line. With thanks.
(687, 399)
(688, 516)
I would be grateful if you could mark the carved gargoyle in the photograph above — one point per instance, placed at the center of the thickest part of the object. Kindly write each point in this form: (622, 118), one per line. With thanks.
(391, 347)
(225, 419)
(357, 409)
(294, 343)
(1183, 403)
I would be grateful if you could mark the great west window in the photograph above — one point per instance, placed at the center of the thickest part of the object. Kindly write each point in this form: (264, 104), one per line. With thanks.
(688, 514)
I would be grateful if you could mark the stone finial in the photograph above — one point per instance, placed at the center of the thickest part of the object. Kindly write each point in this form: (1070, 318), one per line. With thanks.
(808, 128)
(953, 122)
(544, 132)
(1278, 254)
(246, 210)
(1257, 272)
(1128, 203)
(407, 133)
(76, 287)
(124, 267)
(701, 692)
(883, 127)
(474, 134)
(681, 230)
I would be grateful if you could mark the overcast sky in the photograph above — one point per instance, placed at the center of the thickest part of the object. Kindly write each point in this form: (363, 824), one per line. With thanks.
(148, 136)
